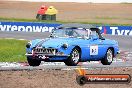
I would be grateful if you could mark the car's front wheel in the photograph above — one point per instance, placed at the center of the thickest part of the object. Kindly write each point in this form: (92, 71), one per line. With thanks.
(33, 62)
(74, 58)
(107, 60)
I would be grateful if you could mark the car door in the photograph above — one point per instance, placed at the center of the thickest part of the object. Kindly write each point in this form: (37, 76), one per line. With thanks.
(96, 46)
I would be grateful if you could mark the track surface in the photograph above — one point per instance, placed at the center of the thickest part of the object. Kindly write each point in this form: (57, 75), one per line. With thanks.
(124, 59)
(125, 42)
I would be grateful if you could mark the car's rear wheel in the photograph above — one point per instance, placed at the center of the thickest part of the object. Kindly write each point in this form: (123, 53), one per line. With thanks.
(74, 58)
(33, 62)
(107, 60)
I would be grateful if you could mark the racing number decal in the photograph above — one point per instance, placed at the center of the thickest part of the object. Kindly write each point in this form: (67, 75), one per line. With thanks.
(94, 50)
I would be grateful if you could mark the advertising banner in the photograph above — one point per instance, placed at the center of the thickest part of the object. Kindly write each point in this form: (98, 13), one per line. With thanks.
(27, 26)
(47, 27)
(116, 30)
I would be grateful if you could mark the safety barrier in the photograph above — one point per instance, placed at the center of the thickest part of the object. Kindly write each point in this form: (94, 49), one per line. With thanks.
(47, 27)
(27, 26)
(116, 30)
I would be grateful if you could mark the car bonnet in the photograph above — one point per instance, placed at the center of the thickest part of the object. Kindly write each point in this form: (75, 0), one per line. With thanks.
(54, 42)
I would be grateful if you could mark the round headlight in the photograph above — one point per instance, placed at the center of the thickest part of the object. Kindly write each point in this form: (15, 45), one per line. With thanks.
(28, 44)
(65, 46)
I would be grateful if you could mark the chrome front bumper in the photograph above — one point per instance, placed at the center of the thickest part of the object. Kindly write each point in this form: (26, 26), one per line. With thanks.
(63, 55)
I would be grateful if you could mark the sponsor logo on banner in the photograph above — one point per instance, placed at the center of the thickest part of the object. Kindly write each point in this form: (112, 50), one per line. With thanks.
(116, 30)
(27, 26)
(47, 27)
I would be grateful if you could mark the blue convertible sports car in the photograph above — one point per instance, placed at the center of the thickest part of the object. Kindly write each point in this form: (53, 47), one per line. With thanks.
(71, 44)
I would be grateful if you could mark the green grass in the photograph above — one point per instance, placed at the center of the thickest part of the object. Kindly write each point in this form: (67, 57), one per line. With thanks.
(23, 20)
(62, 22)
(111, 18)
(12, 50)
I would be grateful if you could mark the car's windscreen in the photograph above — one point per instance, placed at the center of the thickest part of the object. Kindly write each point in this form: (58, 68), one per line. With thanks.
(77, 33)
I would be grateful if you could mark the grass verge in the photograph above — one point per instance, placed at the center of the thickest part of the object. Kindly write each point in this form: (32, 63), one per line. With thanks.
(61, 22)
(12, 50)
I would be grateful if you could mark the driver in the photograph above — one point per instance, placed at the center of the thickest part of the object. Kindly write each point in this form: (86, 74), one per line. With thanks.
(69, 32)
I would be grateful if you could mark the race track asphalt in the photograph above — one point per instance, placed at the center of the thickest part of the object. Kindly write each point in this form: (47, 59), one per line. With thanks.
(125, 43)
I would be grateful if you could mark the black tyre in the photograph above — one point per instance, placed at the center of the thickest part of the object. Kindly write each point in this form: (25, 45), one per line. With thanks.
(33, 62)
(74, 58)
(107, 60)
(81, 80)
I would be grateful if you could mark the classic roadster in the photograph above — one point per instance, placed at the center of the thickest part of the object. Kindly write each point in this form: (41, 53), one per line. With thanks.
(71, 44)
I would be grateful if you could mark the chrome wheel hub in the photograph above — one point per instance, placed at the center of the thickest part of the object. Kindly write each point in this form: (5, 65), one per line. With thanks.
(75, 56)
(109, 56)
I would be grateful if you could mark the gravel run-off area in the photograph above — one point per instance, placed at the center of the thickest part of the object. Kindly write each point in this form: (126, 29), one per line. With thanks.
(56, 78)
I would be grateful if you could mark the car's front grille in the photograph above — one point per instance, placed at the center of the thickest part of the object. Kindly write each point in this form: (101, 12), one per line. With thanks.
(45, 51)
